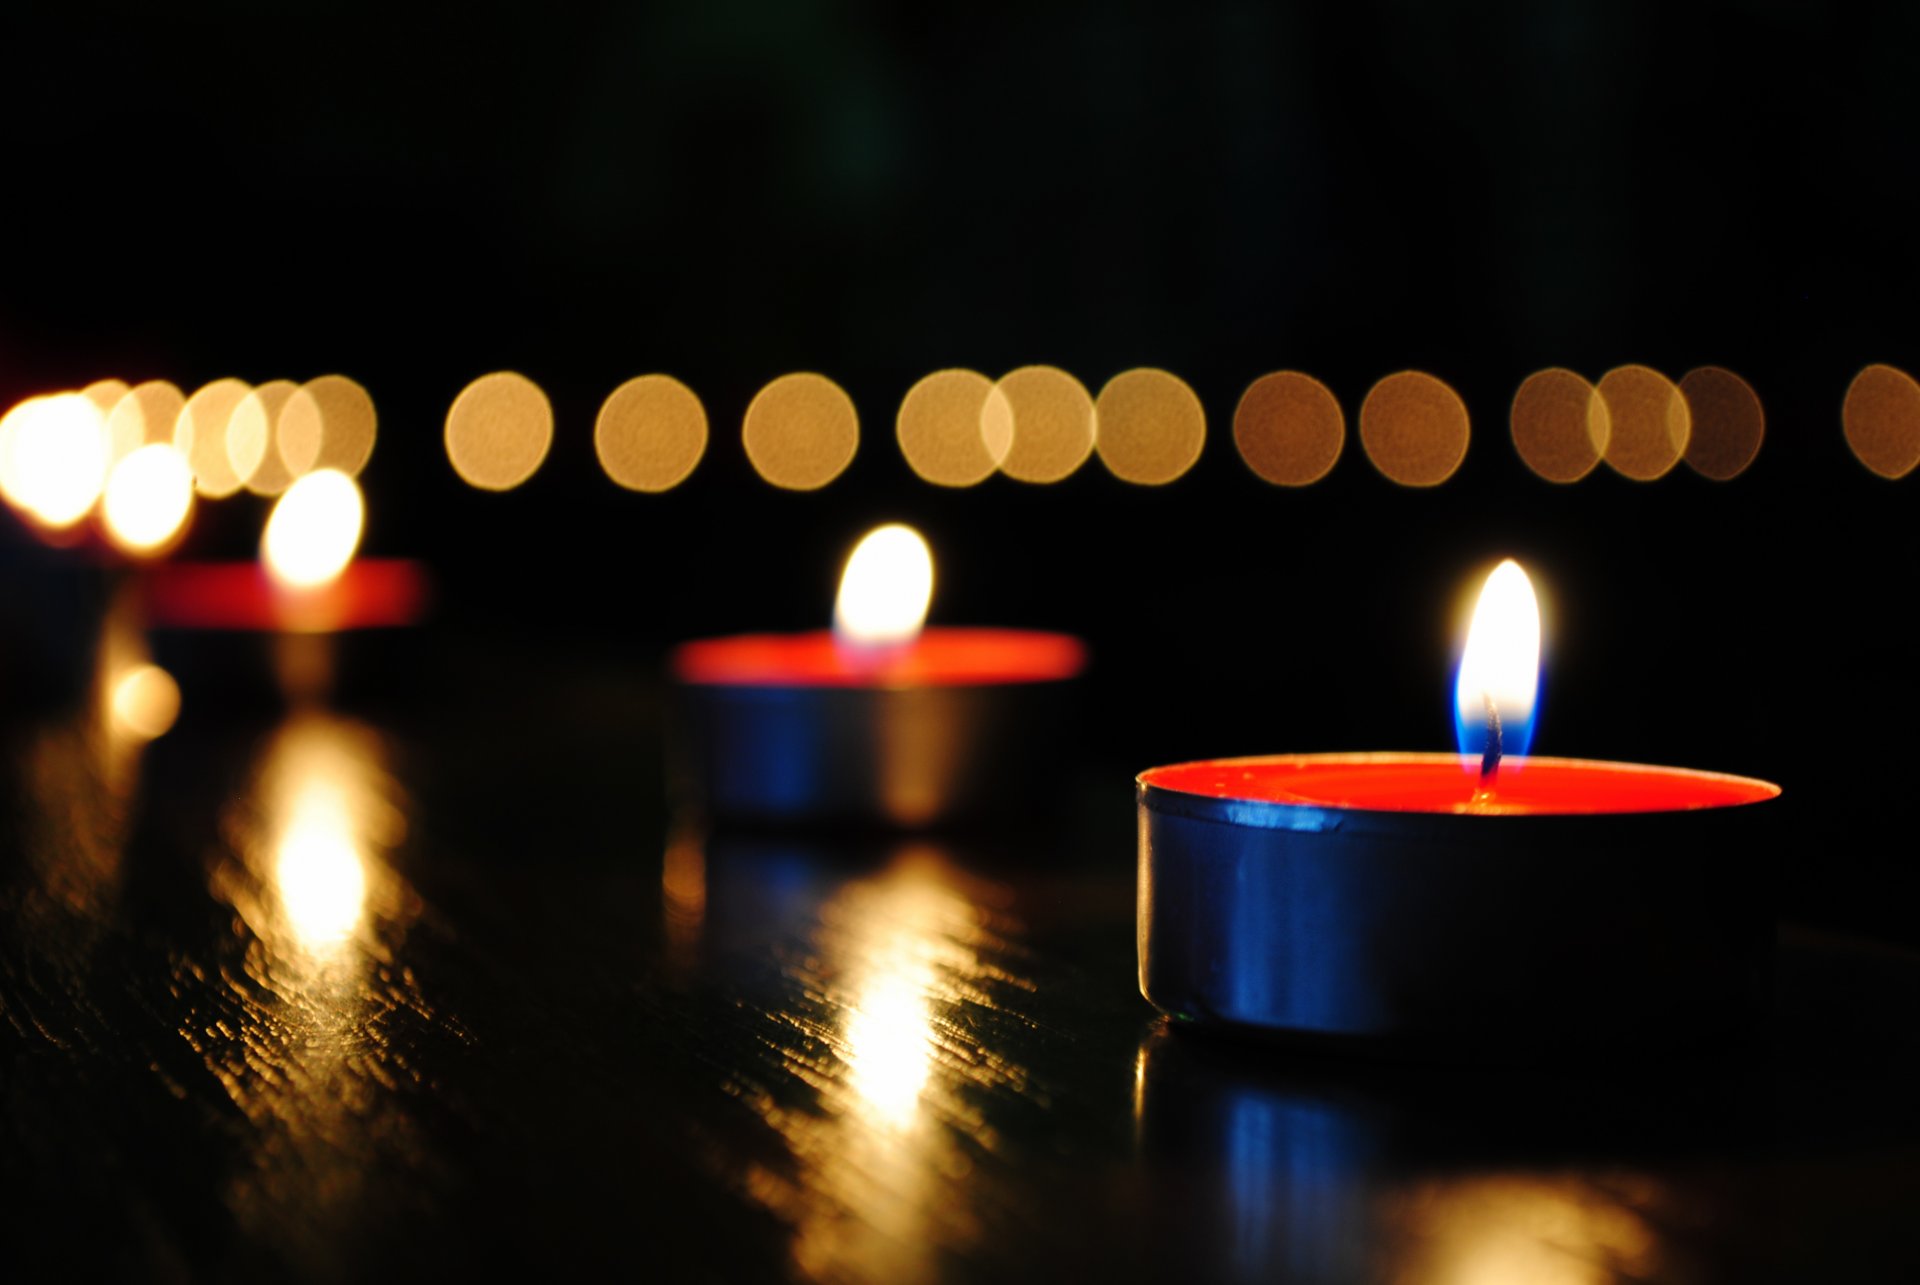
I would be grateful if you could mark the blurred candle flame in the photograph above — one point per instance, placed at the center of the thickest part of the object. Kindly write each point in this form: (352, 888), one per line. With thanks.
(314, 530)
(53, 458)
(1501, 664)
(149, 496)
(885, 589)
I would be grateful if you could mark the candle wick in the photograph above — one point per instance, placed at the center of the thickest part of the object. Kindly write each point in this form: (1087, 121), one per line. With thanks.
(1490, 756)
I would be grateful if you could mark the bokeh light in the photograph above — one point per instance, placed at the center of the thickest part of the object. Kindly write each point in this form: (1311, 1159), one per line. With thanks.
(1560, 425)
(313, 530)
(1728, 422)
(801, 432)
(1414, 428)
(1038, 423)
(201, 435)
(499, 430)
(651, 433)
(1881, 418)
(145, 415)
(329, 423)
(148, 498)
(53, 458)
(105, 394)
(1648, 420)
(145, 702)
(1289, 428)
(253, 438)
(1150, 428)
(942, 431)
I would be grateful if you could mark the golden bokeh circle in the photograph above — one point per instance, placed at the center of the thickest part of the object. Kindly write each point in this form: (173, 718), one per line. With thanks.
(1149, 426)
(253, 445)
(1038, 422)
(329, 423)
(1881, 418)
(200, 433)
(1560, 425)
(1649, 421)
(1289, 428)
(651, 433)
(801, 431)
(942, 428)
(146, 416)
(499, 430)
(1728, 422)
(1414, 428)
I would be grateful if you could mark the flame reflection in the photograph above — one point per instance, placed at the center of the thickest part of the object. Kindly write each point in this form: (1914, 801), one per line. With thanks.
(1341, 1174)
(875, 1100)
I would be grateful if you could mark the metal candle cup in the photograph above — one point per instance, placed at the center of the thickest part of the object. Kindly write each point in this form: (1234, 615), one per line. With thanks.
(1383, 899)
(797, 728)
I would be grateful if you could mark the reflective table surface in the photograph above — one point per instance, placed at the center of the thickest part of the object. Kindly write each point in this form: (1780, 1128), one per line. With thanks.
(435, 987)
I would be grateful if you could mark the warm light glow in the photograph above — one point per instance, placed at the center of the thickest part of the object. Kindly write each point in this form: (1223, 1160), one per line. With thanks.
(1501, 663)
(1881, 418)
(253, 438)
(1560, 425)
(145, 702)
(1414, 428)
(1150, 427)
(313, 530)
(201, 435)
(801, 432)
(329, 423)
(889, 1040)
(1649, 420)
(885, 589)
(149, 495)
(147, 414)
(941, 432)
(1728, 422)
(1289, 429)
(53, 458)
(498, 431)
(318, 868)
(650, 433)
(1038, 424)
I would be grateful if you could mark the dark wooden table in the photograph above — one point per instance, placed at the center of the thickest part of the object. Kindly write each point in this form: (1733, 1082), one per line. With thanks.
(439, 991)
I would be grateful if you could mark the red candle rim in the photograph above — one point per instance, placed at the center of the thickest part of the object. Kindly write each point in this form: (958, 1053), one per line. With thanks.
(371, 593)
(939, 657)
(1447, 783)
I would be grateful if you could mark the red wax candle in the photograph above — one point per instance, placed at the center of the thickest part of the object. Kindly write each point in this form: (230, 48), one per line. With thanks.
(937, 658)
(802, 728)
(1446, 783)
(371, 593)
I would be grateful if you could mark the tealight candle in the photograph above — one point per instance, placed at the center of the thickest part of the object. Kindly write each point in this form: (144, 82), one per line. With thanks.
(880, 721)
(1484, 897)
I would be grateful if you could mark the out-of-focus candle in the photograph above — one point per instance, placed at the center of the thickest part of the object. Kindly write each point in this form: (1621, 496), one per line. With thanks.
(307, 579)
(880, 720)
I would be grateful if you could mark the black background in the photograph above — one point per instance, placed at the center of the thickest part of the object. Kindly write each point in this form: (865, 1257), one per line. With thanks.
(730, 191)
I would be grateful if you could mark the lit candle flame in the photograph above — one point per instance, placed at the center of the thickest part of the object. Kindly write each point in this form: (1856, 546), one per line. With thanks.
(885, 589)
(148, 499)
(314, 530)
(53, 458)
(1499, 677)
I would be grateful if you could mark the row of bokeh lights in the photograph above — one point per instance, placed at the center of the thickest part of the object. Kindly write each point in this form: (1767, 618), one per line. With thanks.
(1039, 424)
(142, 453)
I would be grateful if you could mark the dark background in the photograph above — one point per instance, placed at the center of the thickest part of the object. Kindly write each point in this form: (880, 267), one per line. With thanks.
(730, 191)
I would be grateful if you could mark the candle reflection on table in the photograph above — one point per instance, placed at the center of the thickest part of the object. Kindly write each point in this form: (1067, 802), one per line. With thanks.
(1343, 1171)
(883, 962)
